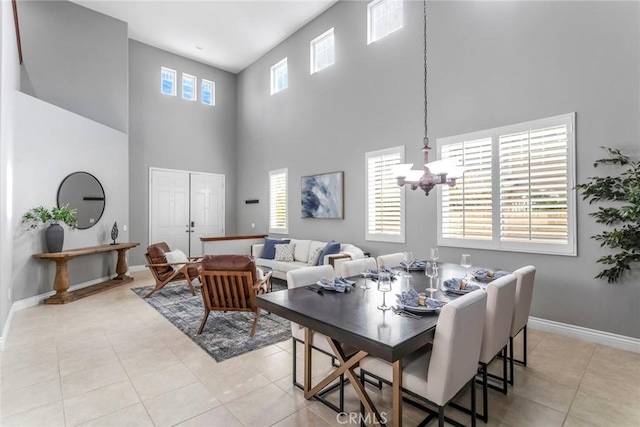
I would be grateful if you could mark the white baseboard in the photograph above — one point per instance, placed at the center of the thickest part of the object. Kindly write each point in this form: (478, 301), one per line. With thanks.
(7, 325)
(136, 268)
(585, 334)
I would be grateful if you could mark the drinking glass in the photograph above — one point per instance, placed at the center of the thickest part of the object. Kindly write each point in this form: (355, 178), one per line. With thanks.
(408, 259)
(432, 272)
(384, 286)
(435, 254)
(465, 262)
(366, 272)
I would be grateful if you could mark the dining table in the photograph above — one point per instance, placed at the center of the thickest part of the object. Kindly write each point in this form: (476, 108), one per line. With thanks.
(353, 319)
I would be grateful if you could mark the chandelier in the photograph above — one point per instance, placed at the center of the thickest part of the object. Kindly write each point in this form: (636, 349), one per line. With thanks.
(434, 173)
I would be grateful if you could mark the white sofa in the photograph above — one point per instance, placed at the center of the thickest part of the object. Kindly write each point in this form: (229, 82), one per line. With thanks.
(302, 251)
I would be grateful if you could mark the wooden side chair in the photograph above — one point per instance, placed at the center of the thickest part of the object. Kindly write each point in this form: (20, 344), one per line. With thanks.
(231, 283)
(163, 272)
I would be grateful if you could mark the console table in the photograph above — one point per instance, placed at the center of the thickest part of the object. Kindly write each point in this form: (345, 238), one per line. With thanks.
(61, 281)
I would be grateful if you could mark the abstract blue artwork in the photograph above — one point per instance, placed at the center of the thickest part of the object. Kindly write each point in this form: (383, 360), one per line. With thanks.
(322, 195)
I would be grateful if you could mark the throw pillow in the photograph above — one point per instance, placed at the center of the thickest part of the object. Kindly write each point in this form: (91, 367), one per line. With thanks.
(315, 256)
(285, 252)
(332, 248)
(176, 255)
(269, 250)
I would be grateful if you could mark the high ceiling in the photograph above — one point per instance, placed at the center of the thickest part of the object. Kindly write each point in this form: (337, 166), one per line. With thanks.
(229, 35)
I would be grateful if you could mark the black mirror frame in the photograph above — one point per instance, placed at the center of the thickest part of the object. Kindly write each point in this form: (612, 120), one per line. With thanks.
(104, 198)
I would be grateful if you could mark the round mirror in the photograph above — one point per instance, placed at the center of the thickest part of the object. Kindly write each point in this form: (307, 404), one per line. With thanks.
(83, 192)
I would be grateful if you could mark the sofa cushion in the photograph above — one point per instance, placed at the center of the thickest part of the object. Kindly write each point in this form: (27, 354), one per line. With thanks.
(285, 252)
(269, 250)
(302, 250)
(315, 256)
(331, 248)
(316, 244)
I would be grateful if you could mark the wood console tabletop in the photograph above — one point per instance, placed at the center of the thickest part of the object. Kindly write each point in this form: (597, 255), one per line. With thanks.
(61, 281)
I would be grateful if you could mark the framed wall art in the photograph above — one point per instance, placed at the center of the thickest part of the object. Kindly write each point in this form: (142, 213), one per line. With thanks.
(322, 195)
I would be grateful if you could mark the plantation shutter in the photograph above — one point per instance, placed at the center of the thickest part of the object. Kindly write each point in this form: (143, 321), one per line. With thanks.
(466, 209)
(534, 186)
(385, 199)
(278, 201)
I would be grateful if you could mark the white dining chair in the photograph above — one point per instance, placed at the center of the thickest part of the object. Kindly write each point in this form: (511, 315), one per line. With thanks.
(356, 266)
(521, 309)
(305, 277)
(437, 373)
(390, 260)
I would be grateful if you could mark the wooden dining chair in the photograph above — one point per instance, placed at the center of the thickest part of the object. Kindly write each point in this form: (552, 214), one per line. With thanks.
(355, 267)
(165, 272)
(522, 307)
(390, 260)
(231, 283)
(436, 373)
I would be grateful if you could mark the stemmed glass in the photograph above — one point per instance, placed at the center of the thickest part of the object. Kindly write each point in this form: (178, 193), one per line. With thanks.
(432, 272)
(465, 262)
(384, 286)
(435, 254)
(408, 259)
(366, 272)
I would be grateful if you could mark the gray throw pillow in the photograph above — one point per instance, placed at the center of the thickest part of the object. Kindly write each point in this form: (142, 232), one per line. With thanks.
(285, 252)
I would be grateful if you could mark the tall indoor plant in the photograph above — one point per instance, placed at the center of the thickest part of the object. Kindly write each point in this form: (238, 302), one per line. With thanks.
(41, 216)
(623, 190)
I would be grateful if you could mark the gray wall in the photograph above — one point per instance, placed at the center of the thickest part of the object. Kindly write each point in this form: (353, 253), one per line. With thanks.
(491, 64)
(75, 58)
(169, 132)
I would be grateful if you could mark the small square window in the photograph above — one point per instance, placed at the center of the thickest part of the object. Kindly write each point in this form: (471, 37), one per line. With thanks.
(168, 81)
(189, 87)
(322, 51)
(383, 18)
(279, 77)
(208, 92)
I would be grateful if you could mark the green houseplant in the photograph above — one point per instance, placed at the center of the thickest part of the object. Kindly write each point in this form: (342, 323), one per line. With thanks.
(623, 190)
(40, 216)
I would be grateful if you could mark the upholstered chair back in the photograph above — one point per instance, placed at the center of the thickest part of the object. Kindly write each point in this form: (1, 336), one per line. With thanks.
(356, 266)
(305, 277)
(524, 293)
(390, 260)
(456, 346)
(497, 322)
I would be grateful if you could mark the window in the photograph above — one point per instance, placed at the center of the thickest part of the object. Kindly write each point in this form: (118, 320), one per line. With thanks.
(278, 222)
(384, 197)
(188, 87)
(383, 18)
(322, 52)
(517, 190)
(168, 81)
(208, 92)
(279, 77)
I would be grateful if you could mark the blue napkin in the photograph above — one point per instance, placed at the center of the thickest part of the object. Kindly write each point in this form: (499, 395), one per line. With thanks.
(415, 264)
(486, 276)
(433, 303)
(408, 298)
(454, 285)
(383, 269)
(337, 284)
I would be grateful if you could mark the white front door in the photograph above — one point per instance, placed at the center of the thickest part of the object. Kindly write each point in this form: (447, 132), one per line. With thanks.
(185, 206)
(207, 209)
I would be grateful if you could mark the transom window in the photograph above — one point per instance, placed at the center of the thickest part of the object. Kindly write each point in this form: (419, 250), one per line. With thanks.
(517, 190)
(322, 51)
(167, 81)
(279, 77)
(278, 212)
(189, 87)
(208, 92)
(383, 18)
(385, 220)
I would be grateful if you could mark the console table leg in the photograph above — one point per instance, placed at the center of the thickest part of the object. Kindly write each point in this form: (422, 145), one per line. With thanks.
(121, 266)
(60, 284)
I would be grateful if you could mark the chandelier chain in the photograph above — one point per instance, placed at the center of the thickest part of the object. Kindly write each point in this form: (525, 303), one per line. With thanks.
(426, 137)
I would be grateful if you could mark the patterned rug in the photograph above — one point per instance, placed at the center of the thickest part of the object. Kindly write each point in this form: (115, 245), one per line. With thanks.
(225, 335)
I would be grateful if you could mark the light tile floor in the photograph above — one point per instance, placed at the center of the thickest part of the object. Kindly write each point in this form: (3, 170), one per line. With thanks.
(112, 360)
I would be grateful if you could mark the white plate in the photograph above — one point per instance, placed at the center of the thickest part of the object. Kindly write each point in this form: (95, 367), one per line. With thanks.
(419, 309)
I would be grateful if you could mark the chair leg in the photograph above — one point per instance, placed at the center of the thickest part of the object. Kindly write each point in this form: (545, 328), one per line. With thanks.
(153, 291)
(524, 348)
(511, 360)
(473, 398)
(441, 416)
(193, 290)
(362, 414)
(255, 323)
(204, 320)
(485, 395)
(504, 371)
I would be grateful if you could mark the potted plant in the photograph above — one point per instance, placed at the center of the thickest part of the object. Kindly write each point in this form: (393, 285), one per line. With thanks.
(41, 216)
(623, 192)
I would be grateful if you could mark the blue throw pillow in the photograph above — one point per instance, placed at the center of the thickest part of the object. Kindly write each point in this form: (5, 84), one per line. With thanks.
(332, 248)
(269, 250)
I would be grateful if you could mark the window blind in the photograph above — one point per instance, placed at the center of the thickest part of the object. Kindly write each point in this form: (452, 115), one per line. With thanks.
(278, 201)
(385, 199)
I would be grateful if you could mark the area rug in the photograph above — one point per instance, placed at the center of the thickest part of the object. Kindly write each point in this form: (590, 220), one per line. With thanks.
(225, 335)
